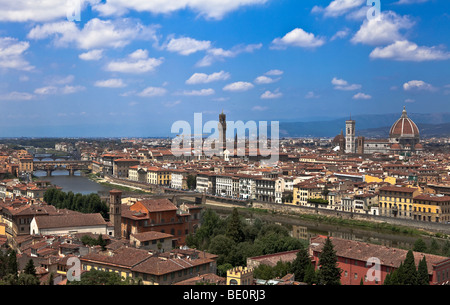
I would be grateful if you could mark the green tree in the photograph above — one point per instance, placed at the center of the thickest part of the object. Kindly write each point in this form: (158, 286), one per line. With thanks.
(434, 247)
(300, 264)
(329, 272)
(191, 181)
(11, 267)
(409, 274)
(420, 246)
(29, 268)
(310, 275)
(96, 277)
(263, 272)
(234, 227)
(422, 273)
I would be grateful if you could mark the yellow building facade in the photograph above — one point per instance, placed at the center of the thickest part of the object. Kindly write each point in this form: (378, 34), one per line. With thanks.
(240, 276)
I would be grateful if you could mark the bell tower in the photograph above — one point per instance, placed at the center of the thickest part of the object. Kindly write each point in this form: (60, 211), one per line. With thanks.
(115, 211)
(350, 143)
(223, 131)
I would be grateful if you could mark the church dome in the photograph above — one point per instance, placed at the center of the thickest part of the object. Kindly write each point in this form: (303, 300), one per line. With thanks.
(404, 127)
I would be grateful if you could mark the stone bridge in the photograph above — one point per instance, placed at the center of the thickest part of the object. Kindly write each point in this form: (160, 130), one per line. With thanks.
(69, 165)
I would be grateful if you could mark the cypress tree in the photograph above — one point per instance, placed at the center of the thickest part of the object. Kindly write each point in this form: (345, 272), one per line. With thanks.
(409, 276)
(329, 272)
(310, 275)
(300, 264)
(29, 268)
(234, 227)
(422, 273)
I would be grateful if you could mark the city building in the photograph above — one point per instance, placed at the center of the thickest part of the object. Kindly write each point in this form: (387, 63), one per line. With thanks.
(356, 260)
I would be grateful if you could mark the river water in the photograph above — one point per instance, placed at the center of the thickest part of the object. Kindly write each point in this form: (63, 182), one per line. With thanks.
(299, 228)
(76, 183)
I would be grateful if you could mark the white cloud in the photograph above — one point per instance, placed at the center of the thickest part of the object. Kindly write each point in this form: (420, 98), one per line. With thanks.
(46, 90)
(91, 55)
(11, 54)
(408, 100)
(362, 96)
(203, 78)
(152, 91)
(340, 34)
(259, 108)
(297, 38)
(202, 92)
(271, 95)
(136, 62)
(418, 85)
(110, 83)
(383, 30)
(210, 9)
(50, 90)
(340, 84)
(338, 7)
(265, 80)
(408, 51)
(410, 1)
(16, 96)
(219, 54)
(274, 72)
(96, 33)
(238, 86)
(186, 45)
(71, 89)
(36, 11)
(311, 95)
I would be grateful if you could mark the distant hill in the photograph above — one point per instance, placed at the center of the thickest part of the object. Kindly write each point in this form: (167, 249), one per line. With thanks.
(370, 125)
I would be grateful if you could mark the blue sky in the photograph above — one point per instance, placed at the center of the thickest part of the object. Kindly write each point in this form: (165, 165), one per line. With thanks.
(133, 68)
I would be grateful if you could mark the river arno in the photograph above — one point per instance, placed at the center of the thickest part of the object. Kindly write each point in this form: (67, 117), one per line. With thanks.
(76, 183)
(305, 229)
(302, 229)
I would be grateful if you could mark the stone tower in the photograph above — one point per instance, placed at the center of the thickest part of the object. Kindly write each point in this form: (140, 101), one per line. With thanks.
(223, 130)
(350, 143)
(115, 211)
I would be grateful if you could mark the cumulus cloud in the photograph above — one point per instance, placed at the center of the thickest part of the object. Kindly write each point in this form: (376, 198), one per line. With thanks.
(274, 72)
(202, 92)
(38, 11)
(219, 54)
(152, 92)
(383, 30)
(95, 34)
(110, 83)
(405, 50)
(338, 8)
(362, 96)
(340, 84)
(136, 62)
(271, 95)
(297, 38)
(91, 55)
(238, 86)
(261, 80)
(51, 90)
(203, 78)
(210, 9)
(418, 85)
(11, 54)
(186, 45)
